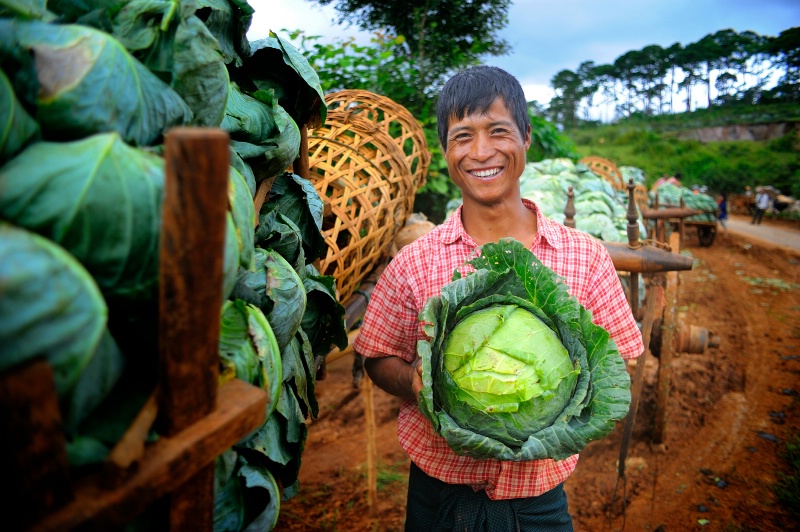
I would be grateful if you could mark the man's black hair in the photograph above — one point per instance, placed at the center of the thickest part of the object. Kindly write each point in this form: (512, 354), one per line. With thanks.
(473, 91)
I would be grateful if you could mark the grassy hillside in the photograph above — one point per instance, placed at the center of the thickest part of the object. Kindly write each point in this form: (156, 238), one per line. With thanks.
(651, 143)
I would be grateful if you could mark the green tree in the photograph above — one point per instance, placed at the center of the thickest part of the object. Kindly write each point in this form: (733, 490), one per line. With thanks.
(441, 36)
(606, 77)
(755, 63)
(671, 55)
(589, 86)
(629, 67)
(785, 50)
(380, 66)
(690, 60)
(564, 105)
(547, 142)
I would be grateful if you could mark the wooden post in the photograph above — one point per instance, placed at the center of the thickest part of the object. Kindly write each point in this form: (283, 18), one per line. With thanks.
(372, 449)
(668, 338)
(569, 209)
(192, 243)
(33, 455)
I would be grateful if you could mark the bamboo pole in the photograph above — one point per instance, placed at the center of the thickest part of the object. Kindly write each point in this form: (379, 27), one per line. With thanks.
(372, 448)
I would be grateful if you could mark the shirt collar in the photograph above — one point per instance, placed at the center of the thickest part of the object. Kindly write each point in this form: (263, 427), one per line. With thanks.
(453, 228)
(545, 227)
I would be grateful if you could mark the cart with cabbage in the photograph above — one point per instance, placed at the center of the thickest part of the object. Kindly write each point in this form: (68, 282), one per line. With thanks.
(692, 213)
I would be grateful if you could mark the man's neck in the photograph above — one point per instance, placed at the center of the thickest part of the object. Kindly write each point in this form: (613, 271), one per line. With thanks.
(491, 223)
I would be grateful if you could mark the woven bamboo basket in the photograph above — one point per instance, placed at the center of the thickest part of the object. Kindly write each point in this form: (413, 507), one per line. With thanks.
(393, 119)
(367, 162)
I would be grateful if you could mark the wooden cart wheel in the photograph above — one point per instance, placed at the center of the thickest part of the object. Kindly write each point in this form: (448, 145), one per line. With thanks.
(706, 235)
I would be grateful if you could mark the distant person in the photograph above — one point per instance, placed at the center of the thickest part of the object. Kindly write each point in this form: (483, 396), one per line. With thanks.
(762, 203)
(722, 205)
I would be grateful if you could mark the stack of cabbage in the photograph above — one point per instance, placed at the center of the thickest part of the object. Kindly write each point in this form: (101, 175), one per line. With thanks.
(671, 195)
(88, 91)
(599, 209)
(631, 172)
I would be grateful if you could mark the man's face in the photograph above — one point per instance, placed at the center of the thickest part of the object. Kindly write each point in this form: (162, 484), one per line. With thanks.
(486, 155)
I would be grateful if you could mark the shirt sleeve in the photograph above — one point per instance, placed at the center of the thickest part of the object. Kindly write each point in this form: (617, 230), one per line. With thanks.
(610, 308)
(390, 326)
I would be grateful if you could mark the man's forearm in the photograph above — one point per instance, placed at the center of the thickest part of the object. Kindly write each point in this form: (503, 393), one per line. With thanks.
(393, 375)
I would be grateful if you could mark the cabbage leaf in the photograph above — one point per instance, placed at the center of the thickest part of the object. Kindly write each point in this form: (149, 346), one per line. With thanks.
(87, 83)
(17, 127)
(49, 305)
(98, 198)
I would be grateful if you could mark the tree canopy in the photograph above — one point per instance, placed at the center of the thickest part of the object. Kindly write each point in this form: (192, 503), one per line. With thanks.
(739, 67)
(439, 37)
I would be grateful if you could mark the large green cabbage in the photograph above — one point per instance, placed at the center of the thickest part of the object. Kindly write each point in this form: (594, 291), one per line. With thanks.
(49, 306)
(551, 410)
(506, 372)
(82, 81)
(98, 198)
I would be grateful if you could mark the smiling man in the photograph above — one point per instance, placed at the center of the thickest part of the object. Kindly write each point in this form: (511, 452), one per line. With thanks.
(485, 133)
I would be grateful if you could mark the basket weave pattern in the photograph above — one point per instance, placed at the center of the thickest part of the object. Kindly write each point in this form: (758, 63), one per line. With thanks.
(367, 162)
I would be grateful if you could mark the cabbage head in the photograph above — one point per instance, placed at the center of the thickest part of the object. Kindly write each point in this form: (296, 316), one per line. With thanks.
(513, 367)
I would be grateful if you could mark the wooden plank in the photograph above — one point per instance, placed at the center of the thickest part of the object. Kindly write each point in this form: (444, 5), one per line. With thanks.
(166, 465)
(645, 259)
(33, 454)
(197, 163)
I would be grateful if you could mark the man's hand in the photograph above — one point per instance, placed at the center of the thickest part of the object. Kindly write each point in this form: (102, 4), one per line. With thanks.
(416, 379)
(396, 376)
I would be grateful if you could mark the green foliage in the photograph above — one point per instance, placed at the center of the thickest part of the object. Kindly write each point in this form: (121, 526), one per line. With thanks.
(440, 37)
(547, 142)
(343, 64)
(655, 145)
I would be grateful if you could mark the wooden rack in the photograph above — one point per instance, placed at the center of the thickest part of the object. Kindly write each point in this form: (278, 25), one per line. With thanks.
(199, 419)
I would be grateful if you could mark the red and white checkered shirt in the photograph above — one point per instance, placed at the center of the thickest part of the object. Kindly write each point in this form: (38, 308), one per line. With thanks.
(391, 328)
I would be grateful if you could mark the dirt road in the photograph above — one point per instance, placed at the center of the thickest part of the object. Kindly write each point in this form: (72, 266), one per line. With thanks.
(767, 233)
(731, 412)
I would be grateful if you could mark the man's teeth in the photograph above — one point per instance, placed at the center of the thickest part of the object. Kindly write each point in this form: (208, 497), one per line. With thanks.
(486, 173)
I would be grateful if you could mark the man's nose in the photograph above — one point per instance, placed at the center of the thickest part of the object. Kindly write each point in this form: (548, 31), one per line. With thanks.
(482, 147)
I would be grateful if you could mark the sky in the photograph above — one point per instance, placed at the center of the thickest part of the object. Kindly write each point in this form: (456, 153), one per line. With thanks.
(547, 37)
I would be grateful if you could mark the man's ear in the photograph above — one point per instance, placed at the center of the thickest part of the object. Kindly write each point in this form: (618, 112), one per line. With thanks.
(528, 138)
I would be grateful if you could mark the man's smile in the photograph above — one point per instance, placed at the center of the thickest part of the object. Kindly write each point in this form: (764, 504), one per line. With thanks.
(485, 173)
